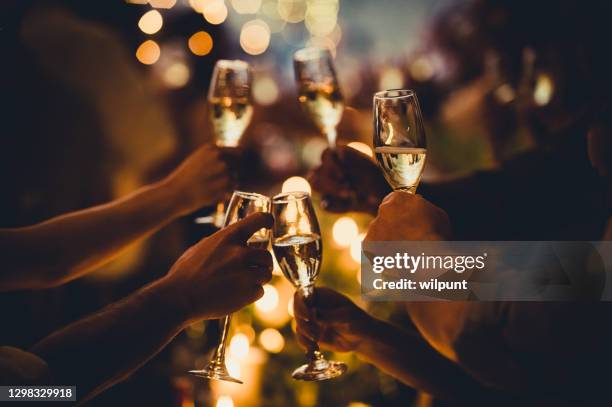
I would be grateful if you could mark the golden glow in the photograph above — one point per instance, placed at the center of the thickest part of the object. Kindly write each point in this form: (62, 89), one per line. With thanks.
(296, 184)
(292, 11)
(239, 346)
(269, 301)
(246, 6)
(255, 37)
(355, 248)
(544, 89)
(162, 3)
(233, 367)
(200, 43)
(225, 401)
(151, 22)
(197, 5)
(148, 52)
(361, 147)
(272, 340)
(391, 78)
(421, 69)
(215, 11)
(176, 75)
(321, 17)
(290, 307)
(345, 231)
(265, 91)
(505, 93)
(357, 404)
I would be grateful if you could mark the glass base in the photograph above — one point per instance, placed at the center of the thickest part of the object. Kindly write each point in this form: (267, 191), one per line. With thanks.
(215, 372)
(319, 370)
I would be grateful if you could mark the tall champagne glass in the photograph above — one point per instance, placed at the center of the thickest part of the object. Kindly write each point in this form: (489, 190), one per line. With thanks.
(318, 89)
(296, 241)
(230, 110)
(242, 204)
(399, 138)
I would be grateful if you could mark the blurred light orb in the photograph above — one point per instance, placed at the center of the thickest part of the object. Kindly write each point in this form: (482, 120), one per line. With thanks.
(391, 78)
(544, 89)
(247, 330)
(176, 75)
(355, 248)
(162, 3)
(312, 151)
(269, 301)
(290, 307)
(421, 69)
(358, 404)
(505, 93)
(197, 5)
(137, 1)
(292, 11)
(265, 91)
(239, 346)
(272, 340)
(215, 11)
(255, 37)
(225, 401)
(296, 184)
(345, 231)
(151, 22)
(246, 6)
(233, 367)
(148, 52)
(361, 147)
(321, 17)
(200, 43)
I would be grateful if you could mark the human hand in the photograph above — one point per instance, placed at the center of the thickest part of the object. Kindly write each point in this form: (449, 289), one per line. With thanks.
(203, 179)
(329, 319)
(220, 274)
(348, 180)
(404, 216)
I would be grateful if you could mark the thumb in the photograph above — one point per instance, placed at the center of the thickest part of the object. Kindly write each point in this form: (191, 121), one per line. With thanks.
(241, 231)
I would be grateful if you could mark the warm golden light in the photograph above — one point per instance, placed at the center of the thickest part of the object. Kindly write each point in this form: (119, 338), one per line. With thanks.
(215, 11)
(544, 89)
(296, 184)
(345, 231)
(292, 11)
(269, 301)
(361, 147)
(355, 248)
(197, 5)
(233, 366)
(200, 43)
(225, 401)
(290, 307)
(357, 404)
(272, 340)
(321, 17)
(176, 75)
(239, 346)
(151, 22)
(255, 37)
(162, 3)
(421, 69)
(265, 91)
(246, 6)
(148, 52)
(391, 78)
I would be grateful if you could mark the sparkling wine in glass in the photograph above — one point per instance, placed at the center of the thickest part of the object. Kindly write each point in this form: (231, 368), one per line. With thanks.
(296, 242)
(242, 204)
(318, 89)
(399, 138)
(230, 110)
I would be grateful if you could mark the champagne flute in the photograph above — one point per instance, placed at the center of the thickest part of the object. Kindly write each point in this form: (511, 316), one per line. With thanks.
(296, 242)
(318, 89)
(230, 110)
(399, 138)
(242, 204)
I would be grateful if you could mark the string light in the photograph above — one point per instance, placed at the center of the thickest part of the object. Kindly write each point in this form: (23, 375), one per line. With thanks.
(255, 37)
(148, 52)
(200, 43)
(151, 22)
(296, 184)
(272, 340)
(344, 231)
(215, 11)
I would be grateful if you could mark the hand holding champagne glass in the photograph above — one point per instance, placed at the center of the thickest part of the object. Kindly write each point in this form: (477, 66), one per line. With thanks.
(230, 110)
(241, 205)
(296, 241)
(319, 92)
(399, 138)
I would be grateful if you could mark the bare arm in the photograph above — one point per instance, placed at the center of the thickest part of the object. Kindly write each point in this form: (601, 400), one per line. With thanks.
(68, 246)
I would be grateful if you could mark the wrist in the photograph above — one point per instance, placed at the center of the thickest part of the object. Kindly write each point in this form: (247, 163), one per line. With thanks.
(175, 196)
(168, 297)
(367, 332)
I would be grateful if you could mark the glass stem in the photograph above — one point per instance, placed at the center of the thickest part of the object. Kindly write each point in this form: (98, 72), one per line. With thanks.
(219, 357)
(331, 134)
(313, 354)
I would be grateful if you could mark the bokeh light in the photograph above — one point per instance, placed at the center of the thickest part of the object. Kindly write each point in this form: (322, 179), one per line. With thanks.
(296, 184)
(292, 11)
(272, 340)
(148, 52)
(361, 147)
(321, 17)
(246, 6)
(421, 69)
(544, 89)
(312, 151)
(255, 37)
(233, 367)
(355, 248)
(176, 75)
(224, 401)
(200, 43)
(265, 91)
(290, 307)
(151, 22)
(239, 346)
(269, 301)
(344, 231)
(162, 3)
(197, 5)
(215, 11)
(391, 78)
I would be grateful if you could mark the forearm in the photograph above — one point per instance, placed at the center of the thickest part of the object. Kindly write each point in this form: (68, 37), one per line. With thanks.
(68, 246)
(100, 350)
(408, 357)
